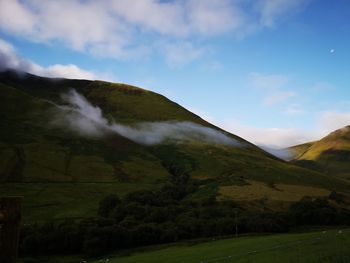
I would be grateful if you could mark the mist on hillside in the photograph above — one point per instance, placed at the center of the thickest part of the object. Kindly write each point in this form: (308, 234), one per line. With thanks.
(283, 154)
(80, 116)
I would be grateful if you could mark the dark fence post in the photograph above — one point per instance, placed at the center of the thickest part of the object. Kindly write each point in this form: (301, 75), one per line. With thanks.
(10, 220)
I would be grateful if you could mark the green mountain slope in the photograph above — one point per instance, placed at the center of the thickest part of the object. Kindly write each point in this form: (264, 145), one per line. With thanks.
(299, 149)
(56, 168)
(331, 154)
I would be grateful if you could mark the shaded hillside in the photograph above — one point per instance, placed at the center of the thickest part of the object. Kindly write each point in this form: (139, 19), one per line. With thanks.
(331, 154)
(40, 154)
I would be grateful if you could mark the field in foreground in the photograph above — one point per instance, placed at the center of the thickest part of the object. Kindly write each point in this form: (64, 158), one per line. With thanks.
(323, 246)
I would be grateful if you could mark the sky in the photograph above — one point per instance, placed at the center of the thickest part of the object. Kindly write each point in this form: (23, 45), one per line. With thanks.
(275, 72)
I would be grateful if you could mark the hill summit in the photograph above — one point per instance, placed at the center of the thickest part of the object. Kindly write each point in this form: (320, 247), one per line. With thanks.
(331, 154)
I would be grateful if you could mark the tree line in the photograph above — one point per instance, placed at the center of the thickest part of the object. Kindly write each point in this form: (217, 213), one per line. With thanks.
(163, 216)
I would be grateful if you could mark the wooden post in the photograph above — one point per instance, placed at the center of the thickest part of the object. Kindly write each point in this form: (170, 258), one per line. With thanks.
(10, 220)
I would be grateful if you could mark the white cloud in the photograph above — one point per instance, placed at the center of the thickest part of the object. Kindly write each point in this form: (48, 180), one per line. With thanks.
(10, 59)
(278, 137)
(121, 28)
(269, 137)
(66, 71)
(15, 17)
(80, 25)
(268, 81)
(272, 10)
(213, 66)
(164, 18)
(278, 97)
(333, 120)
(322, 86)
(273, 87)
(213, 17)
(294, 109)
(181, 53)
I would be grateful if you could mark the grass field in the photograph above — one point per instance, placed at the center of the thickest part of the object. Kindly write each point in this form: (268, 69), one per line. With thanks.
(309, 247)
(329, 246)
(282, 192)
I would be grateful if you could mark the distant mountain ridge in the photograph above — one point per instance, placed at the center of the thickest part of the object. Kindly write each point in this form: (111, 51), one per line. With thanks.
(330, 154)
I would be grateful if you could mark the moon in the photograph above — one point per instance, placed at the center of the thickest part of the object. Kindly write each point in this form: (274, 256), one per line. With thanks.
(332, 50)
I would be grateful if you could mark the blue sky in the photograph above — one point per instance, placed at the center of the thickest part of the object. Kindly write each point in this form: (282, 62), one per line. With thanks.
(275, 72)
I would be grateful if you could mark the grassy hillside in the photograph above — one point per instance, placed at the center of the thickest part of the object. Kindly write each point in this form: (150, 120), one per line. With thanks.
(300, 149)
(38, 157)
(331, 154)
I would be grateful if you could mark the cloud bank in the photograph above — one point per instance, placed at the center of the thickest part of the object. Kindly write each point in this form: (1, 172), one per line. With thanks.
(9, 59)
(80, 116)
(283, 154)
(121, 28)
(270, 138)
(277, 138)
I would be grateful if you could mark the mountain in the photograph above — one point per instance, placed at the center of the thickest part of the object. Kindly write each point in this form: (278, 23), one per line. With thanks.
(65, 144)
(331, 154)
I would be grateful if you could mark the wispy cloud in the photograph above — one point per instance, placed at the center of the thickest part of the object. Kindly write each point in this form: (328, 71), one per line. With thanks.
(273, 87)
(121, 28)
(272, 10)
(209, 17)
(10, 59)
(269, 137)
(277, 97)
(268, 81)
(85, 119)
(322, 86)
(332, 120)
(280, 137)
(294, 109)
(180, 53)
(213, 66)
